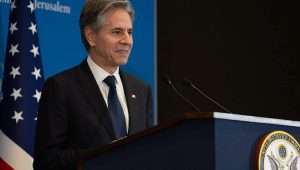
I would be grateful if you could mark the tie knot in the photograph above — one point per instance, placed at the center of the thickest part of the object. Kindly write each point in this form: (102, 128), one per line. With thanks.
(110, 81)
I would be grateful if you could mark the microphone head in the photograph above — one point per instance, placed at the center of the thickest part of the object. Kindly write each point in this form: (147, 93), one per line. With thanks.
(166, 79)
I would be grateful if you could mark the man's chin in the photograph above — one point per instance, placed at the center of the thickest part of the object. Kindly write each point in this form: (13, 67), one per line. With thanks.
(122, 62)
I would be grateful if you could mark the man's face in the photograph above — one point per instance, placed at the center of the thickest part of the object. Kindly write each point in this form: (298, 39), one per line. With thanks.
(113, 42)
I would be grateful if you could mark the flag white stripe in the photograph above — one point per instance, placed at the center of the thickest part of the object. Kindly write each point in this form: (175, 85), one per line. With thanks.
(13, 154)
(256, 119)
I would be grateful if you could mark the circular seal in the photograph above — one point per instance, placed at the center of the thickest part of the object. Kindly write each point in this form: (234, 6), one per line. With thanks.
(278, 150)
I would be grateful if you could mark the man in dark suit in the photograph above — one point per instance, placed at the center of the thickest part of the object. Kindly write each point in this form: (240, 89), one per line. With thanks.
(93, 103)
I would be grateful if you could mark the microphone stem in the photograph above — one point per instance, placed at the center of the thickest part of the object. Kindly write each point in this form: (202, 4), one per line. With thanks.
(182, 96)
(209, 98)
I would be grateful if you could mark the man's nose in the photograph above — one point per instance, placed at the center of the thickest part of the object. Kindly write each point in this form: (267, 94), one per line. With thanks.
(126, 39)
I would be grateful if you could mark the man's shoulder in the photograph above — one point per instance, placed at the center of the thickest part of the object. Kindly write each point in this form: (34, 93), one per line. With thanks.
(69, 72)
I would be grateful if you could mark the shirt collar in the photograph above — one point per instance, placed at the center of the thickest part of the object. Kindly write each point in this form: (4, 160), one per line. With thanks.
(99, 73)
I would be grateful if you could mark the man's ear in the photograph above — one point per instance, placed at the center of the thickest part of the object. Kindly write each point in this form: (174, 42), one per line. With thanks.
(90, 36)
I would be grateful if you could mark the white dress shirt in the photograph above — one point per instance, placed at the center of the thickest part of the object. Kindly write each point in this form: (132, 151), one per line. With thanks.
(100, 74)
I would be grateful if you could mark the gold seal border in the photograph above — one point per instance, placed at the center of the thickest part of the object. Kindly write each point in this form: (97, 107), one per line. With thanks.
(267, 139)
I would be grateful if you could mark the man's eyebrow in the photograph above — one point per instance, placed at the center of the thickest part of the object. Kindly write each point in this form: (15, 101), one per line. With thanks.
(117, 28)
(121, 28)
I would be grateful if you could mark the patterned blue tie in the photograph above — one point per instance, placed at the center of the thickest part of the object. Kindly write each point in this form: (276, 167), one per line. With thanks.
(115, 108)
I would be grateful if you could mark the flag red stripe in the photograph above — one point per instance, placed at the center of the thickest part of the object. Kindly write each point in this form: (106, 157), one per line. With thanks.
(4, 165)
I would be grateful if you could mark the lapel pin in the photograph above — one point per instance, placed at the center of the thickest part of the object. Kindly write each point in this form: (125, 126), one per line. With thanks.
(133, 96)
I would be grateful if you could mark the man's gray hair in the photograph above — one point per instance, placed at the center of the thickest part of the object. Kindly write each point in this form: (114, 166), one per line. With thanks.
(93, 14)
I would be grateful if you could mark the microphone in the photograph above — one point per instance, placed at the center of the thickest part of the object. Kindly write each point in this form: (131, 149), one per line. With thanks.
(189, 83)
(169, 82)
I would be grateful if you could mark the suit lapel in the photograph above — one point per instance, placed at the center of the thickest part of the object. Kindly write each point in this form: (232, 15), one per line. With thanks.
(130, 94)
(93, 95)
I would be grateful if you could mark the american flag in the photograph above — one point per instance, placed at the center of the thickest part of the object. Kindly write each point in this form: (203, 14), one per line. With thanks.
(21, 87)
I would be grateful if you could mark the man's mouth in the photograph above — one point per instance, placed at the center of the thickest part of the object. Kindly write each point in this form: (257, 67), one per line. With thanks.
(123, 51)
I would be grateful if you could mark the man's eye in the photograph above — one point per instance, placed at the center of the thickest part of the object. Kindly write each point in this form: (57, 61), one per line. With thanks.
(116, 32)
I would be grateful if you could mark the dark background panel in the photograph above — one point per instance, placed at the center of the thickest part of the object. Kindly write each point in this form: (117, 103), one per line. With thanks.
(241, 53)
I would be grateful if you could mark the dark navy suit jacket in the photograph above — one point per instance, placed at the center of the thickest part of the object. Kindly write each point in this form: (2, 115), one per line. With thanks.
(73, 116)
